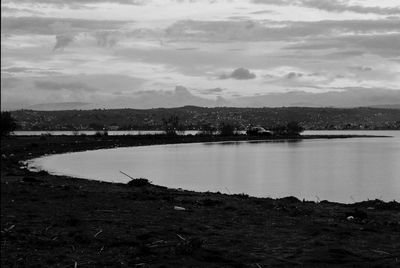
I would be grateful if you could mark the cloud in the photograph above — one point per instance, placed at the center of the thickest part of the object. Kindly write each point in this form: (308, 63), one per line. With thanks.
(257, 31)
(341, 97)
(72, 86)
(212, 90)
(181, 96)
(28, 70)
(52, 26)
(17, 70)
(361, 68)
(239, 74)
(63, 41)
(384, 45)
(76, 4)
(158, 98)
(293, 75)
(346, 54)
(15, 10)
(65, 30)
(190, 52)
(107, 38)
(340, 6)
(334, 6)
(19, 92)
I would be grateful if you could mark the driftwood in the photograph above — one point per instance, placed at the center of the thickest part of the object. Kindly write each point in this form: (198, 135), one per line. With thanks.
(127, 175)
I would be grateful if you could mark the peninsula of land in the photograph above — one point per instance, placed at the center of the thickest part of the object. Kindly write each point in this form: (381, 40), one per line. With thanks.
(58, 221)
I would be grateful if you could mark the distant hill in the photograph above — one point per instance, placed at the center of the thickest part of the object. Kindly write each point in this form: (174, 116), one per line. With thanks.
(147, 99)
(58, 106)
(193, 117)
(386, 106)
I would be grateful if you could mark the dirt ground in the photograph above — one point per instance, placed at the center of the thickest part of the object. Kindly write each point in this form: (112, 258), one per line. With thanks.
(56, 221)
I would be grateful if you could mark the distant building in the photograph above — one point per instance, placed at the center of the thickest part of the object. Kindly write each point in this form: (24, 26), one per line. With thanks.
(112, 128)
(258, 131)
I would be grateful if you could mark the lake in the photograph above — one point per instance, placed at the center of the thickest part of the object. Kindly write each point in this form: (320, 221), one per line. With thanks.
(341, 170)
(93, 132)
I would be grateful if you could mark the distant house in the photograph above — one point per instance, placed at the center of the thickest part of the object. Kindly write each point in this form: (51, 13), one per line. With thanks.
(258, 131)
(112, 128)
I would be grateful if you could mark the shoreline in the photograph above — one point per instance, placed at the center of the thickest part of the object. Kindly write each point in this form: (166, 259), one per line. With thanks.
(53, 220)
(27, 163)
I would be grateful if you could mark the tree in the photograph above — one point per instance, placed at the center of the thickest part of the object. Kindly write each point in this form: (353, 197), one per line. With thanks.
(294, 128)
(279, 130)
(226, 129)
(8, 124)
(171, 125)
(207, 129)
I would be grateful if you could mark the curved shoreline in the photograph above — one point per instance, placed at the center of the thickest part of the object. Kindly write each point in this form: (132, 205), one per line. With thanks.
(56, 220)
(35, 164)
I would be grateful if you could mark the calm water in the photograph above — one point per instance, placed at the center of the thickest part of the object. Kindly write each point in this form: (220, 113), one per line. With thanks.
(92, 132)
(343, 170)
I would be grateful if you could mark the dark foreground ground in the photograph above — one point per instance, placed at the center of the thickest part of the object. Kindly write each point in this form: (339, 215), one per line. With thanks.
(55, 221)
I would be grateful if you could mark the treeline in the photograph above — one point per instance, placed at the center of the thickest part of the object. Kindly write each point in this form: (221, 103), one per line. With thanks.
(195, 118)
(172, 126)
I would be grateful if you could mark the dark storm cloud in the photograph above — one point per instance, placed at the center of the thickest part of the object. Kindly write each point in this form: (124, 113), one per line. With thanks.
(239, 74)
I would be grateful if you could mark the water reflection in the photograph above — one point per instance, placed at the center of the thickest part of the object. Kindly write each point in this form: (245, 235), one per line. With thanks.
(289, 141)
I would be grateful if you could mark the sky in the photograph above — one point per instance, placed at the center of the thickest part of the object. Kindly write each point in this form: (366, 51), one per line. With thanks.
(165, 53)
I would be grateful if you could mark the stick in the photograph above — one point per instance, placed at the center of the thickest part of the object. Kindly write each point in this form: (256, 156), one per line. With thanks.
(127, 175)
(99, 232)
(380, 251)
(181, 237)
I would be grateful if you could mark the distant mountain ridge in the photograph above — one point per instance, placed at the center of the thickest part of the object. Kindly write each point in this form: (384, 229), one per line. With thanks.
(350, 97)
(386, 106)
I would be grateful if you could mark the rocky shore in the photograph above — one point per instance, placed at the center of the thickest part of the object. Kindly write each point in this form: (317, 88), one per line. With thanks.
(57, 221)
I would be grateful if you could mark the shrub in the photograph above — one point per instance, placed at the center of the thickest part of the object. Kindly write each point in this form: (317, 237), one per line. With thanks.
(103, 133)
(294, 128)
(171, 125)
(226, 129)
(139, 182)
(8, 124)
(207, 129)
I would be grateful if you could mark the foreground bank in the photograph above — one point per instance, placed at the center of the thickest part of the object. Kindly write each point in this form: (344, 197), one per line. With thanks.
(62, 222)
